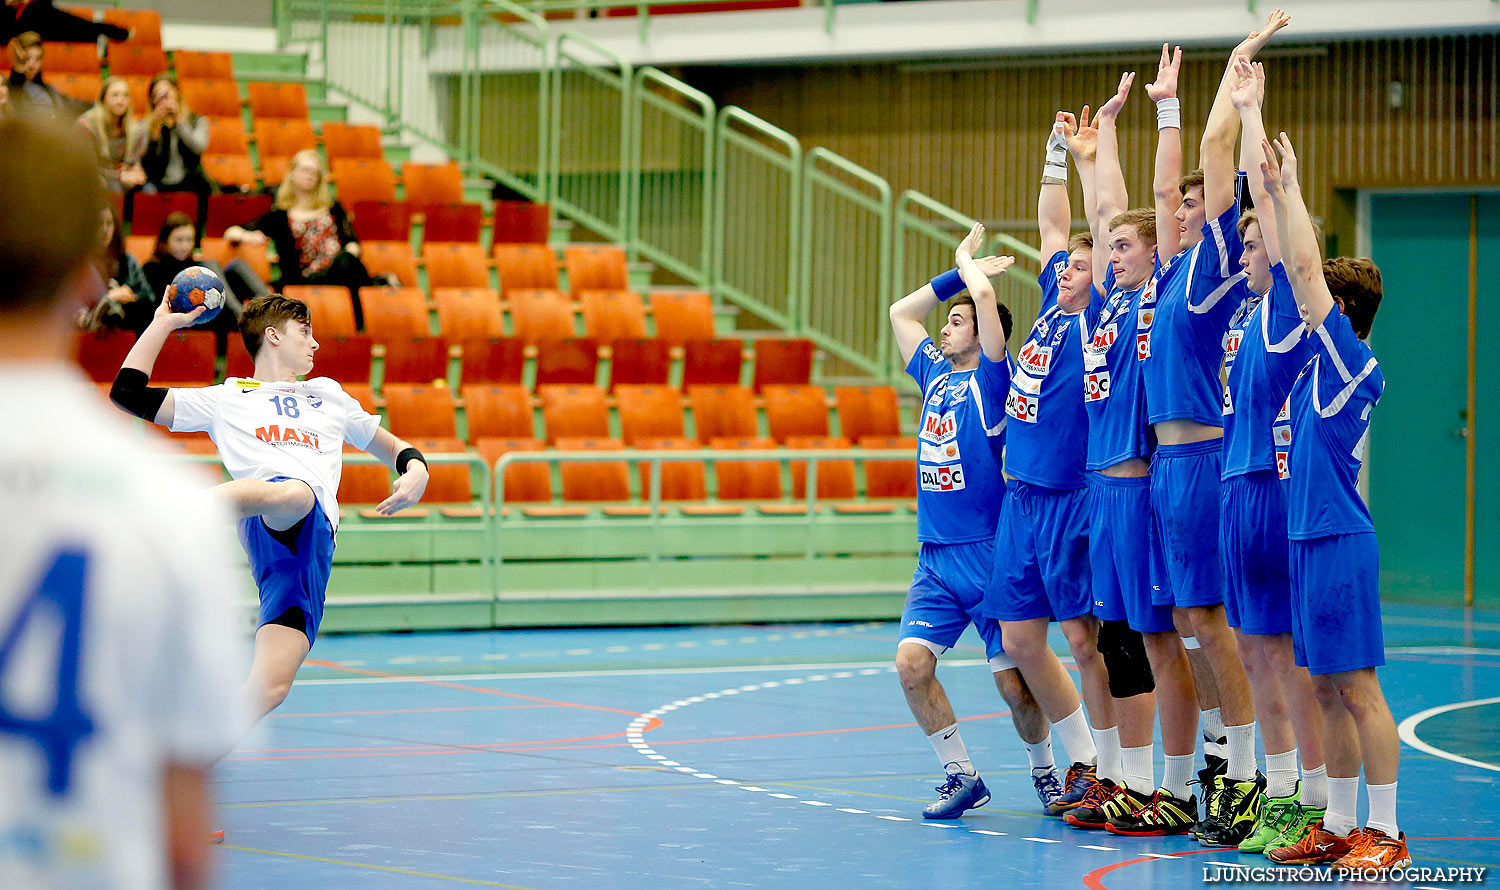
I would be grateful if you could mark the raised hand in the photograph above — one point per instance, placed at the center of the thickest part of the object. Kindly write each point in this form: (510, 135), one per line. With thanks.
(175, 320)
(1165, 85)
(1288, 162)
(971, 243)
(1246, 89)
(1257, 40)
(1081, 137)
(1111, 109)
(1270, 171)
(994, 266)
(406, 491)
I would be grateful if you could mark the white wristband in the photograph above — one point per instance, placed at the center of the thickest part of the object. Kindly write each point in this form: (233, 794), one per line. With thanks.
(1055, 168)
(1168, 113)
(1054, 173)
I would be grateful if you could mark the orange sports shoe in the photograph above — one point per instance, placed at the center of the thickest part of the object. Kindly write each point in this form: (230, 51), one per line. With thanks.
(1318, 848)
(216, 836)
(1375, 849)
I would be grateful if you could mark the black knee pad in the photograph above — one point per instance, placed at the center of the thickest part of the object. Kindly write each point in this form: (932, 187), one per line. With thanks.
(1125, 661)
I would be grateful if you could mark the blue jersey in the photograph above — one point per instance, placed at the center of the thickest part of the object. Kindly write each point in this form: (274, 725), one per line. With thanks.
(1328, 424)
(962, 439)
(1198, 293)
(1270, 335)
(1049, 437)
(1113, 390)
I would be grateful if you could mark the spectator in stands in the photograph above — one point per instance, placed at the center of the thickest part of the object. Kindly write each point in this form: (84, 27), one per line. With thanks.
(120, 137)
(40, 16)
(29, 92)
(315, 242)
(176, 138)
(128, 301)
(175, 248)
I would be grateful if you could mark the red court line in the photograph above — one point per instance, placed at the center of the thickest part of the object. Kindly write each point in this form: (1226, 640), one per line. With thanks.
(280, 716)
(480, 689)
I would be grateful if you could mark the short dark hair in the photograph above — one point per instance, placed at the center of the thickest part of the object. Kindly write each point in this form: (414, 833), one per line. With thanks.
(1190, 180)
(1355, 281)
(269, 311)
(966, 300)
(1144, 220)
(49, 187)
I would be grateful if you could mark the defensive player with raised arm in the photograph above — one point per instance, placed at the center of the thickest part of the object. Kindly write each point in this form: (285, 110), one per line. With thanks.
(1252, 509)
(119, 662)
(1140, 646)
(960, 488)
(281, 439)
(1198, 290)
(1335, 562)
(1041, 549)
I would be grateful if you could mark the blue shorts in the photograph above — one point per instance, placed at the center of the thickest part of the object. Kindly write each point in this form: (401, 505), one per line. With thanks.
(1185, 509)
(946, 596)
(295, 577)
(1121, 556)
(1336, 603)
(1041, 555)
(1254, 552)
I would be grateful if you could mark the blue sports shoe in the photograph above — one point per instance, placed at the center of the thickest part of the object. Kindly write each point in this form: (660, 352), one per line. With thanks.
(1048, 788)
(962, 791)
(1080, 779)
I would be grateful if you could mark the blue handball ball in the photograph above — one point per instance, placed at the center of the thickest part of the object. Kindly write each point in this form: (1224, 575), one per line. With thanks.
(196, 286)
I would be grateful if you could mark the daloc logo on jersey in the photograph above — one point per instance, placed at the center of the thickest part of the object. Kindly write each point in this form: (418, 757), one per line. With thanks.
(1021, 407)
(1096, 386)
(942, 478)
(1282, 470)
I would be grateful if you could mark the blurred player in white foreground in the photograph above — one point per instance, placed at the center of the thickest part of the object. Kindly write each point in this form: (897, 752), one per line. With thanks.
(118, 661)
(282, 441)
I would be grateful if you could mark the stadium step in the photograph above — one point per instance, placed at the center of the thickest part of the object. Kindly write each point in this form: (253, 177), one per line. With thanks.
(269, 66)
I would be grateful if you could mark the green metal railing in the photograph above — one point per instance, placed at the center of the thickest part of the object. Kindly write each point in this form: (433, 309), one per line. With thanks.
(810, 242)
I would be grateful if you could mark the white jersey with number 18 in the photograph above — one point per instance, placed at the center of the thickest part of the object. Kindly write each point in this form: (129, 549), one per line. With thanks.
(117, 648)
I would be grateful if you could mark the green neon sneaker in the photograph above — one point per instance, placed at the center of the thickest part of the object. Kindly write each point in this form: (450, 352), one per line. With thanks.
(1275, 814)
(1299, 825)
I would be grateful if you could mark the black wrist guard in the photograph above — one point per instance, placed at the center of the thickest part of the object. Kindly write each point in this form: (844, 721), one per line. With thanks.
(406, 456)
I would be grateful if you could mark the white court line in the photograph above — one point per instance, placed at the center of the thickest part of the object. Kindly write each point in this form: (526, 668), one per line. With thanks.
(1408, 731)
(873, 666)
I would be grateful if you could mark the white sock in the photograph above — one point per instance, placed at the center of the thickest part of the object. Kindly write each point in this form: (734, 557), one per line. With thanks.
(1138, 769)
(1241, 751)
(1077, 744)
(1281, 774)
(1383, 808)
(1107, 742)
(1213, 725)
(1178, 773)
(1040, 754)
(951, 753)
(1315, 787)
(1343, 804)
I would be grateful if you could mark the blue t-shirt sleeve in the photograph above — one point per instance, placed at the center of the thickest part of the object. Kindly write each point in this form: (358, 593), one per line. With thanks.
(1215, 272)
(1349, 376)
(994, 386)
(1287, 349)
(926, 364)
(1051, 271)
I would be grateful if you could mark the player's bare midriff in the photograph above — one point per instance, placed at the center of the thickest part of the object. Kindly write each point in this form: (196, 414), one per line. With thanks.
(1127, 469)
(1185, 432)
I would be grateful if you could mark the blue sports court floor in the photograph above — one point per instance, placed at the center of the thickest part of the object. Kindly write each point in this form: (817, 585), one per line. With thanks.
(750, 756)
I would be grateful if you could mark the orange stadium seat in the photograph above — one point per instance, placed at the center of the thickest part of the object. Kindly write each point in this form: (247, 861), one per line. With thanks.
(574, 411)
(540, 315)
(345, 140)
(189, 63)
(226, 136)
(144, 25)
(101, 354)
(779, 360)
(363, 393)
(712, 361)
(419, 359)
(394, 312)
(71, 58)
(649, 412)
(433, 183)
(381, 220)
(456, 265)
(867, 411)
(140, 93)
(835, 477)
(522, 483)
(282, 138)
(420, 409)
(594, 482)
(364, 179)
(522, 222)
(496, 411)
(278, 99)
(573, 361)
(187, 359)
(613, 314)
(452, 223)
(132, 58)
(682, 316)
(746, 480)
(363, 483)
(233, 210)
(273, 170)
(447, 483)
(237, 361)
(722, 411)
(390, 258)
(639, 360)
(83, 87)
(467, 313)
(332, 308)
(231, 171)
(345, 359)
(525, 267)
(492, 360)
(890, 478)
(224, 253)
(140, 246)
(149, 209)
(595, 267)
(211, 97)
(796, 411)
(681, 480)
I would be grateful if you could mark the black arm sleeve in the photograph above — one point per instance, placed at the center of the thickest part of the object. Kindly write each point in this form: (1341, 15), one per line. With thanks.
(131, 393)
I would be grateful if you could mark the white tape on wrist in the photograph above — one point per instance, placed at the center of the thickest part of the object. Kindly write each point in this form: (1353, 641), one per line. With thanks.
(1168, 113)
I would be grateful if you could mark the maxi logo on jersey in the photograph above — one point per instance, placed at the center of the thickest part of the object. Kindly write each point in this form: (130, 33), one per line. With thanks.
(939, 428)
(942, 478)
(280, 435)
(1034, 359)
